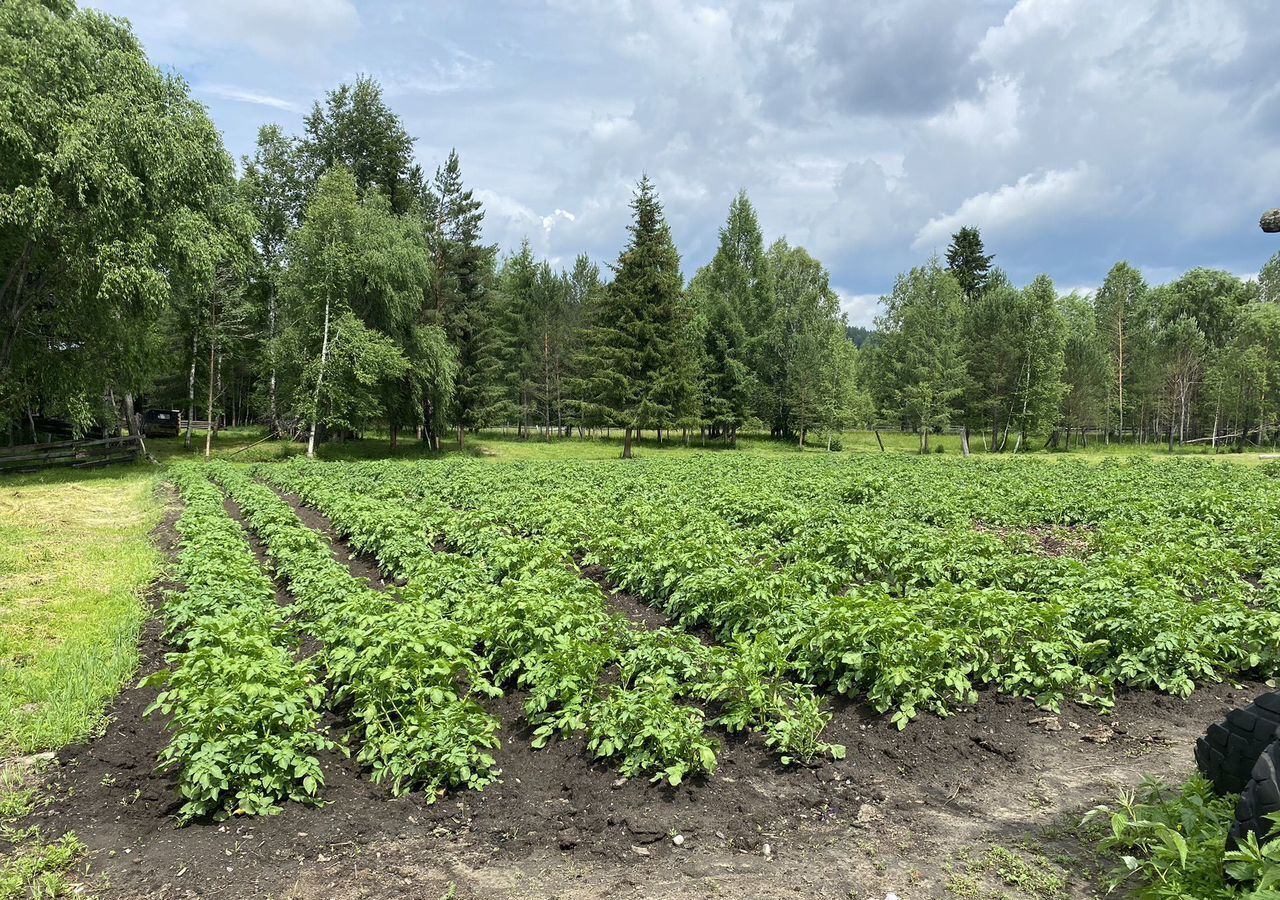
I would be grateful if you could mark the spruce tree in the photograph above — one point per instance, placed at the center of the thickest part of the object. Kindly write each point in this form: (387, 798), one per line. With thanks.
(462, 269)
(644, 354)
(733, 303)
(967, 262)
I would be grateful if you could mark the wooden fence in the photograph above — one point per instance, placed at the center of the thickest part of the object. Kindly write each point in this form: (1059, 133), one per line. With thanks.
(72, 454)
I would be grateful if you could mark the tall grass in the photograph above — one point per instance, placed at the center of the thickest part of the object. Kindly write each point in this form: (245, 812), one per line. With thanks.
(75, 558)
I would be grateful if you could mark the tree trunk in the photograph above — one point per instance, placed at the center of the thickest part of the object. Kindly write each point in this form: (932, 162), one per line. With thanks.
(462, 437)
(879, 440)
(626, 444)
(964, 440)
(130, 419)
(324, 357)
(273, 408)
(191, 391)
(208, 433)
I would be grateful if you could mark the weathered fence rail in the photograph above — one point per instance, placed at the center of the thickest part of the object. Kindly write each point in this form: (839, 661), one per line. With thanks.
(72, 454)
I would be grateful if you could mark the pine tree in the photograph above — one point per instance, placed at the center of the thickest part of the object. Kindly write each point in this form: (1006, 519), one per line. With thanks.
(644, 349)
(967, 262)
(589, 338)
(506, 358)
(727, 384)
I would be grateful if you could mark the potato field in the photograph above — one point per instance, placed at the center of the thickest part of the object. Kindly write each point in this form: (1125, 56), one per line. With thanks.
(628, 660)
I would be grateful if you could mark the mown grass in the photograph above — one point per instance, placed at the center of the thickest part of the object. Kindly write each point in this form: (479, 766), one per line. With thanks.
(245, 445)
(75, 557)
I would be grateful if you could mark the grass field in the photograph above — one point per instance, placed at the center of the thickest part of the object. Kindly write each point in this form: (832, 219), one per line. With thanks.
(245, 445)
(74, 560)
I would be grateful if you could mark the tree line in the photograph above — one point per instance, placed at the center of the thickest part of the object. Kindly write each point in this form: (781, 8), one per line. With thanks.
(1197, 359)
(329, 286)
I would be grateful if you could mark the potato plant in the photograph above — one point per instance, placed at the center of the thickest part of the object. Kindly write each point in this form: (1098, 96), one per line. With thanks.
(401, 671)
(244, 714)
(545, 629)
(915, 582)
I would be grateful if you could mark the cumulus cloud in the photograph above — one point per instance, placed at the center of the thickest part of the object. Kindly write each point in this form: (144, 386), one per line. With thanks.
(861, 309)
(1073, 132)
(1042, 197)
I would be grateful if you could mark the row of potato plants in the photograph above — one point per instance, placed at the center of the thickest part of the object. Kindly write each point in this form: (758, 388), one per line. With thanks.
(400, 671)
(532, 608)
(964, 608)
(243, 712)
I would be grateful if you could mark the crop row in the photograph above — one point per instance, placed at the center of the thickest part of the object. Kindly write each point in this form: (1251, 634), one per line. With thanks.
(243, 712)
(400, 671)
(917, 613)
(545, 629)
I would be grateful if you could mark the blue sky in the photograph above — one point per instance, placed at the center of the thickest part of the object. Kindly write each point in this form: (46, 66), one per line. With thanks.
(1073, 132)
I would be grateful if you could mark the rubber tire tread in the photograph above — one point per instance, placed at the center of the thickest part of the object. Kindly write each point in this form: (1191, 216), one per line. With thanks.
(1260, 798)
(1228, 750)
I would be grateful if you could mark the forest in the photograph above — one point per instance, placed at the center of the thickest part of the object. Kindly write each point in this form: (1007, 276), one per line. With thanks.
(329, 285)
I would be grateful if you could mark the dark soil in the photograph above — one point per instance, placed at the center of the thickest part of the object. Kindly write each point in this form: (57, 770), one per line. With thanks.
(890, 817)
(1049, 540)
(632, 606)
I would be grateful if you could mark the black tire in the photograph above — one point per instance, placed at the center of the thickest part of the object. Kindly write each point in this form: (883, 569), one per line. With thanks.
(1228, 750)
(1260, 798)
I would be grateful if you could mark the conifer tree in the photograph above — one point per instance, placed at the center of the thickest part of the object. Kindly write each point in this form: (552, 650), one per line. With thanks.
(968, 263)
(644, 379)
(740, 306)
(461, 270)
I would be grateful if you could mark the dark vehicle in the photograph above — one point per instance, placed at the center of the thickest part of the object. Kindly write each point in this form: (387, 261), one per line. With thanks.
(162, 423)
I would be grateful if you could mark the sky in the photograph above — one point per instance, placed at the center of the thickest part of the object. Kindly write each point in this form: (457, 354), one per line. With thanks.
(1073, 133)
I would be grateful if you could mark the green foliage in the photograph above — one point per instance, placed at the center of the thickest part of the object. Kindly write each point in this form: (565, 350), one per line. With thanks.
(920, 353)
(967, 262)
(402, 672)
(112, 181)
(1172, 843)
(646, 375)
(455, 294)
(244, 714)
(910, 583)
(355, 130)
(38, 869)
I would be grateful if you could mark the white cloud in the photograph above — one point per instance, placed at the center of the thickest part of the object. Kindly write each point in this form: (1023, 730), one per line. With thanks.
(274, 26)
(610, 128)
(1073, 132)
(861, 309)
(1032, 198)
(242, 95)
(511, 221)
(990, 119)
(455, 70)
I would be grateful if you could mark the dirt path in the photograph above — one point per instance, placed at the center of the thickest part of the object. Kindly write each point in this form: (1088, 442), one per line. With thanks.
(906, 812)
